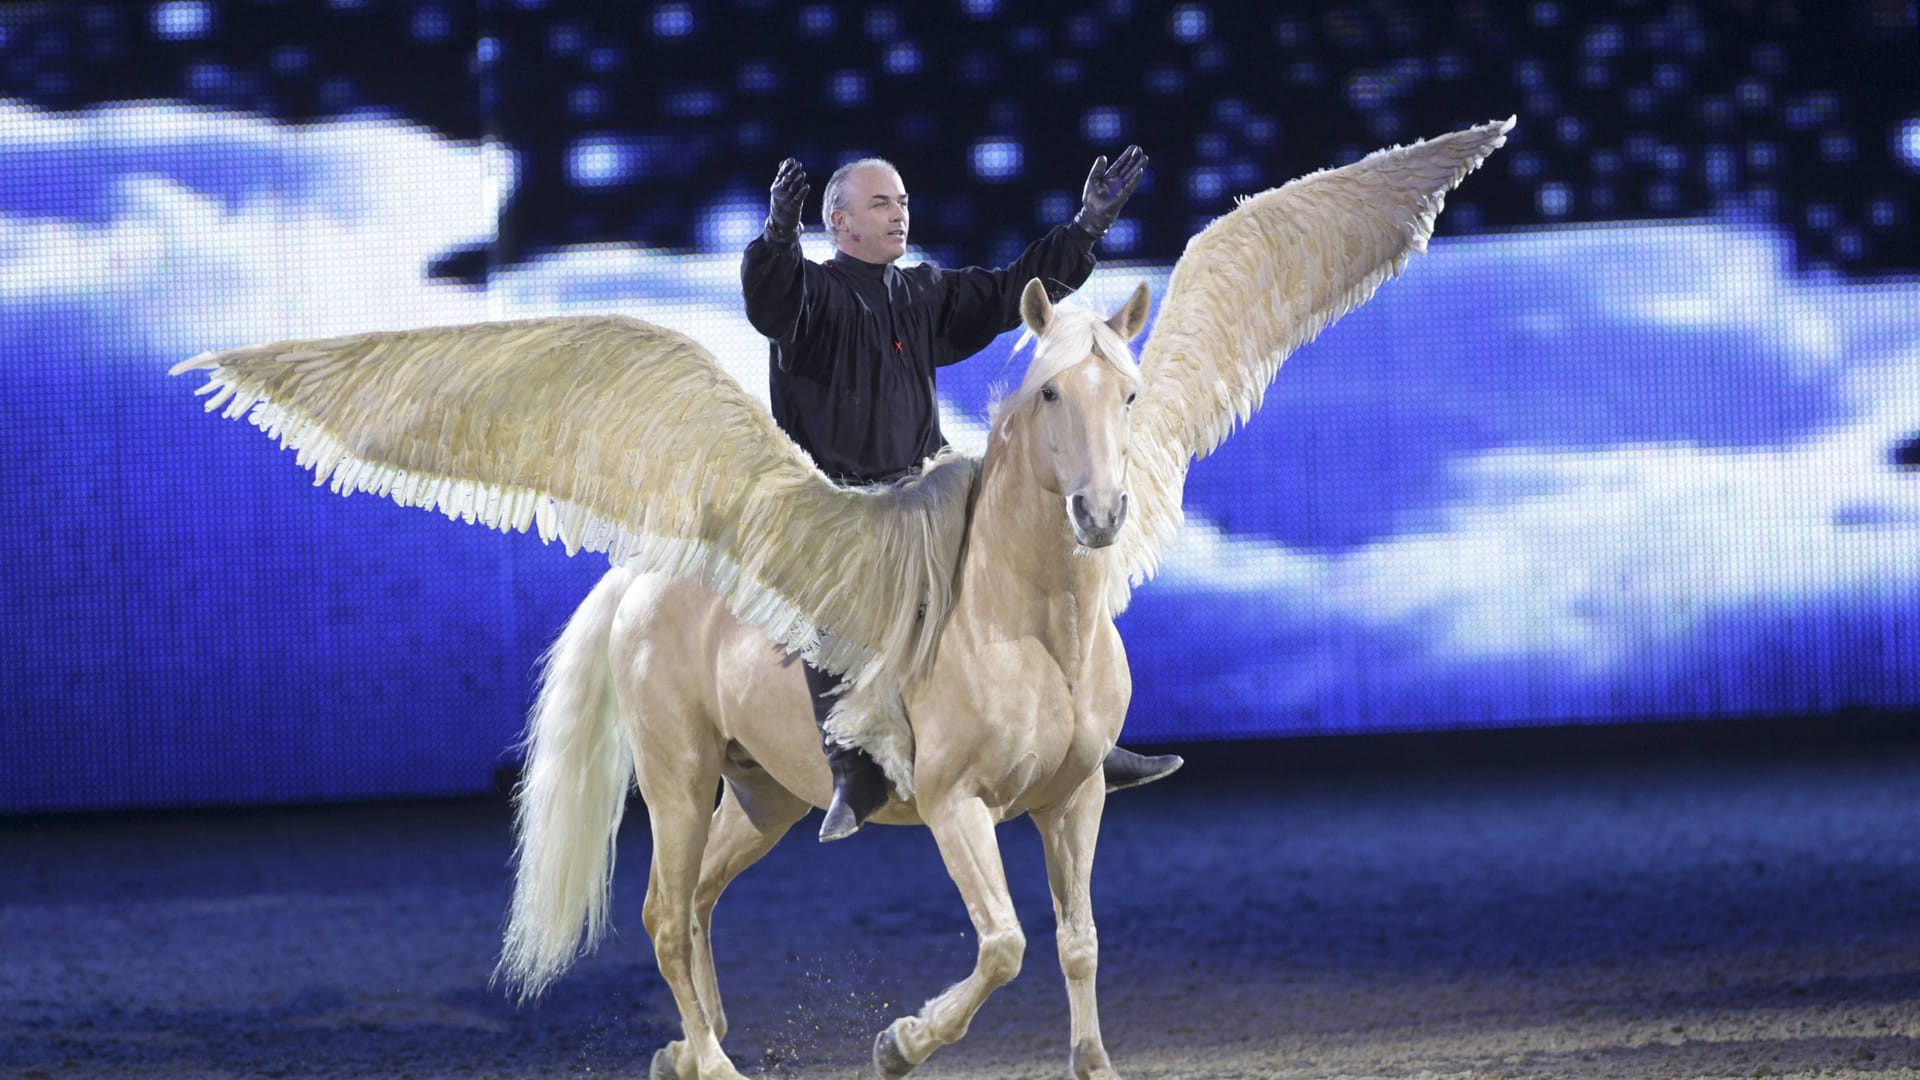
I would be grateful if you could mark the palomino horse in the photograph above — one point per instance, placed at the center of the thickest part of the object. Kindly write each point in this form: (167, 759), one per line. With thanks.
(652, 678)
(994, 622)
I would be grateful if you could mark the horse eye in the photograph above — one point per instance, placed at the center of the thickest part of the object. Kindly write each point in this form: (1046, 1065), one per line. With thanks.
(1048, 393)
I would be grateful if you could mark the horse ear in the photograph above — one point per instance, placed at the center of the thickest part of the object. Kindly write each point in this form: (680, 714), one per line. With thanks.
(1036, 308)
(1132, 316)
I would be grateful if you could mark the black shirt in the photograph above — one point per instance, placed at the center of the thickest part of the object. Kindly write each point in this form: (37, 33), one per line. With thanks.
(855, 344)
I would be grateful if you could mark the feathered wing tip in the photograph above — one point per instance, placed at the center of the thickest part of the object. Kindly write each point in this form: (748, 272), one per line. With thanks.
(610, 434)
(1254, 286)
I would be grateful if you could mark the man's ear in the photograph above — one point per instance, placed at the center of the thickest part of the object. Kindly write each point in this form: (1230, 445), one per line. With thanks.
(1036, 307)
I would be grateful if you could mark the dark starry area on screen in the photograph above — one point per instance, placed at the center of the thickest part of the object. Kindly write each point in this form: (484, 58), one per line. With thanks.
(635, 123)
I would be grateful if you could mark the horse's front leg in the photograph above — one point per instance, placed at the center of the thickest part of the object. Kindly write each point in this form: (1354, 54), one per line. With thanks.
(963, 827)
(1069, 834)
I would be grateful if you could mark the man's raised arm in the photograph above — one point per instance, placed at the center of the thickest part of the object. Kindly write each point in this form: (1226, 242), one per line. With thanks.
(984, 304)
(773, 273)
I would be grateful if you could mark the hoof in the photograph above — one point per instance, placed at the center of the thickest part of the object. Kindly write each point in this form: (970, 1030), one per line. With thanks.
(1089, 1062)
(663, 1067)
(888, 1062)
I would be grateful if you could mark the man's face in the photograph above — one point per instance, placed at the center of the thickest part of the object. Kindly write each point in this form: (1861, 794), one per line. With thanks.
(873, 227)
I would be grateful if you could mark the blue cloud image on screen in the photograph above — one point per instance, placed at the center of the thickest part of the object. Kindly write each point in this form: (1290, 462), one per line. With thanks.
(1570, 475)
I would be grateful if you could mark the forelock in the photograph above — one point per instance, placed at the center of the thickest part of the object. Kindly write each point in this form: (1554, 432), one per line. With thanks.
(1075, 332)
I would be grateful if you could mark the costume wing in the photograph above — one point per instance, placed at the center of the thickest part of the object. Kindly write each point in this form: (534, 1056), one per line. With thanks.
(614, 435)
(1254, 286)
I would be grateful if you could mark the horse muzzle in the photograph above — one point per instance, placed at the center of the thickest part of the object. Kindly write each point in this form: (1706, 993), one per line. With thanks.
(1097, 517)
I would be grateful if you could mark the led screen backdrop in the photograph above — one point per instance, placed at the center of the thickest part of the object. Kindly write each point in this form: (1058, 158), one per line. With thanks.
(1631, 442)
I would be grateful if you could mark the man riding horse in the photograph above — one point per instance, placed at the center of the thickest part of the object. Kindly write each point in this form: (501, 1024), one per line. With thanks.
(854, 343)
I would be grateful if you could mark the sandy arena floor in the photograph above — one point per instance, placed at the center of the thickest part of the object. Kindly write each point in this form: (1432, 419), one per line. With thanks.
(1637, 915)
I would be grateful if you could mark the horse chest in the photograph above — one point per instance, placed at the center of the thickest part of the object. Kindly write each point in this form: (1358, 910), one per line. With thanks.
(1046, 720)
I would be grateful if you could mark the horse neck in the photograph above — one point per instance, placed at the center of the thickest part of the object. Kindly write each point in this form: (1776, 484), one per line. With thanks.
(1021, 574)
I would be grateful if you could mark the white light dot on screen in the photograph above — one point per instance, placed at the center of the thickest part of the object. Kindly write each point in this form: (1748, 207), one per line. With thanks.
(1553, 199)
(586, 101)
(600, 161)
(1189, 22)
(1206, 185)
(208, 79)
(816, 20)
(691, 102)
(1123, 236)
(1604, 40)
(731, 224)
(849, 87)
(1906, 143)
(1719, 168)
(182, 20)
(431, 23)
(758, 77)
(981, 9)
(995, 160)
(487, 50)
(902, 59)
(1101, 125)
(672, 21)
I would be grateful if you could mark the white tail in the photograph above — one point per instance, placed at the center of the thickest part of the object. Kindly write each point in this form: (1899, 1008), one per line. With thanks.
(567, 808)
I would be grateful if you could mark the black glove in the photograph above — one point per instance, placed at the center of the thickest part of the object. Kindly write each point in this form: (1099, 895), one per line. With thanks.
(1108, 189)
(786, 196)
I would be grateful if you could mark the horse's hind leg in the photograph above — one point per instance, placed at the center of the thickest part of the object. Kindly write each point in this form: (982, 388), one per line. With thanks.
(679, 817)
(677, 757)
(753, 815)
(1069, 835)
(964, 830)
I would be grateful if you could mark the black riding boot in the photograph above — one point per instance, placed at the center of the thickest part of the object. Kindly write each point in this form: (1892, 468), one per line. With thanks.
(859, 786)
(1125, 769)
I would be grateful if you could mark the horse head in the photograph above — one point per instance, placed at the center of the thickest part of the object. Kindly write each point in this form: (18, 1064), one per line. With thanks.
(1072, 409)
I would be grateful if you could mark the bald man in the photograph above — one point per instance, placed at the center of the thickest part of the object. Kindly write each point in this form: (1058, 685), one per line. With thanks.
(855, 342)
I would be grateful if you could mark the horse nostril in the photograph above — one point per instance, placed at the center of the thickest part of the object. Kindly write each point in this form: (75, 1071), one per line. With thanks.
(1077, 505)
